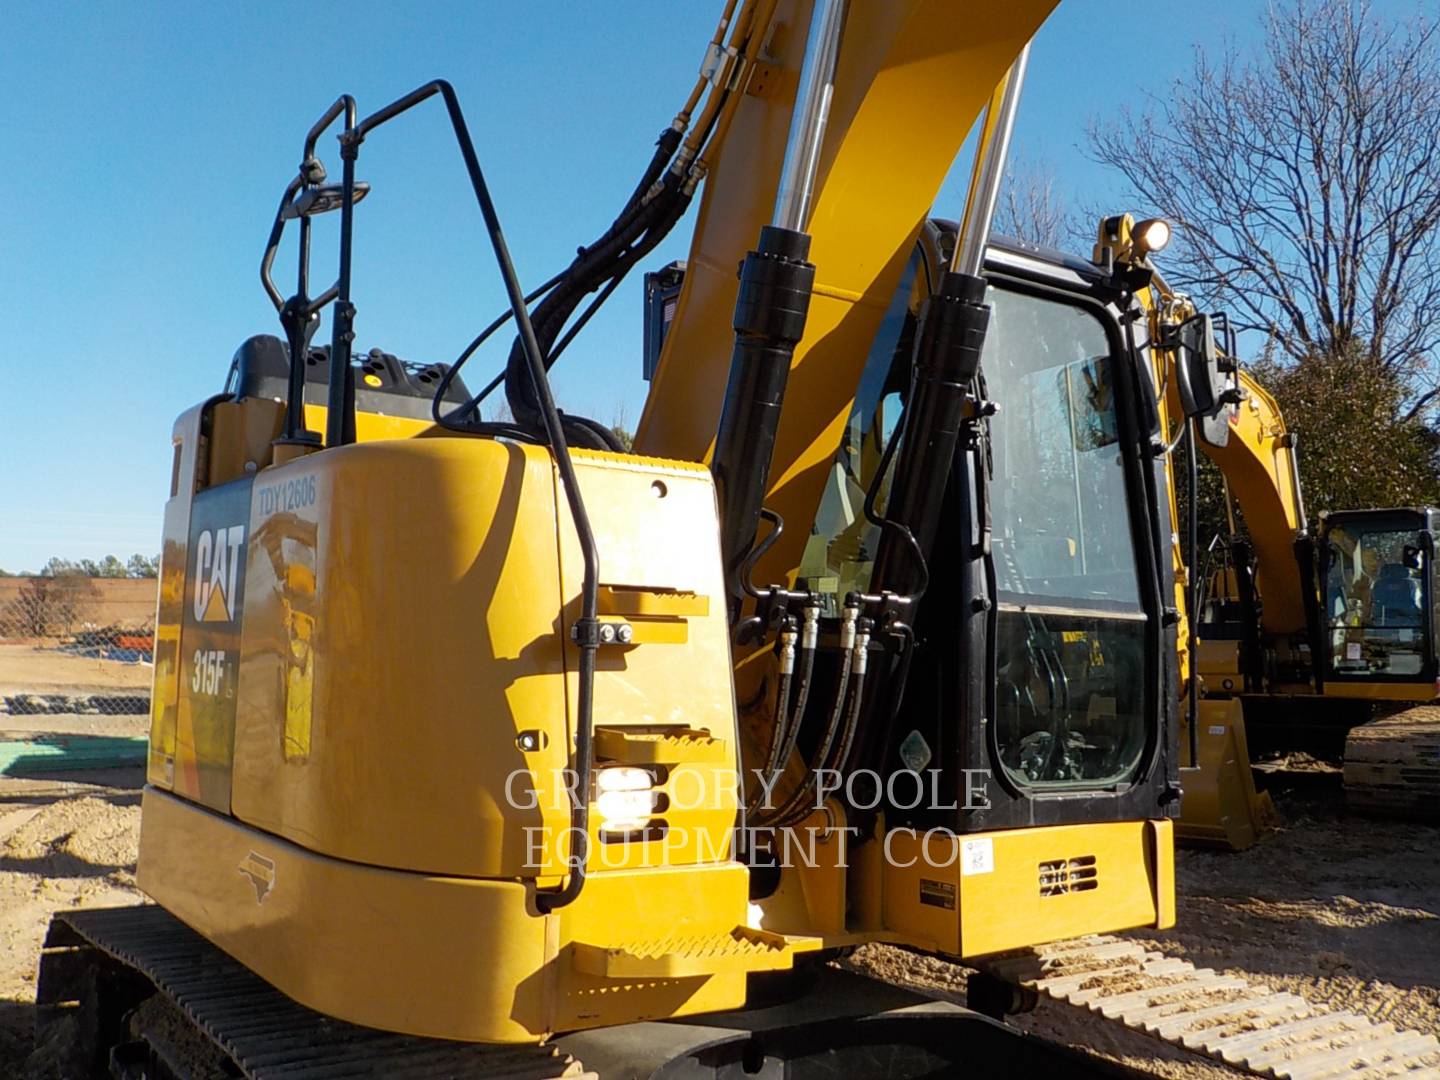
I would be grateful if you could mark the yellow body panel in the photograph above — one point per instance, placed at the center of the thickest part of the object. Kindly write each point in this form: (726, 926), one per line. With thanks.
(354, 653)
(362, 729)
(242, 436)
(655, 526)
(217, 444)
(1377, 691)
(372, 759)
(433, 955)
(986, 892)
(651, 912)
(372, 427)
(174, 558)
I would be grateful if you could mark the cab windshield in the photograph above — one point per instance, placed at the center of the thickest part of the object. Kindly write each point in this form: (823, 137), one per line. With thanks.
(1375, 599)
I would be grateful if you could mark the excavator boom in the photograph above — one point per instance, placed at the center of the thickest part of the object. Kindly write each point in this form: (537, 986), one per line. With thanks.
(911, 79)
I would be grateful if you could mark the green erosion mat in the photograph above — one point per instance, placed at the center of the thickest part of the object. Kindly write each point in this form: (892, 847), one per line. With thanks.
(66, 753)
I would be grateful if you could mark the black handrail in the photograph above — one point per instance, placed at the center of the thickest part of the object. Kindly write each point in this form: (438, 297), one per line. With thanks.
(299, 315)
(586, 631)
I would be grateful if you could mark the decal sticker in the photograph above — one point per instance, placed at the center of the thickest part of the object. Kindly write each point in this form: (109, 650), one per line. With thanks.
(215, 574)
(915, 752)
(287, 496)
(218, 555)
(261, 872)
(977, 856)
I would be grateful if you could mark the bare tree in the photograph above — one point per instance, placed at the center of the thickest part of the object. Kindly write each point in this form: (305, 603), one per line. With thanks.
(620, 427)
(1305, 184)
(1030, 208)
(51, 605)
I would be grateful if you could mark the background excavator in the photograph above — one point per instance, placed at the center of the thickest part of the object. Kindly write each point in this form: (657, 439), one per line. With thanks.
(1308, 627)
(484, 748)
(1316, 626)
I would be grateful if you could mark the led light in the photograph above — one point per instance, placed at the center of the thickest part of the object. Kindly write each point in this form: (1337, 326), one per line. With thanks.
(1150, 235)
(623, 799)
(622, 778)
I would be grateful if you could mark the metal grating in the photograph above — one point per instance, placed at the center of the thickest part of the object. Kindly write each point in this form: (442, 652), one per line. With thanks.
(1058, 877)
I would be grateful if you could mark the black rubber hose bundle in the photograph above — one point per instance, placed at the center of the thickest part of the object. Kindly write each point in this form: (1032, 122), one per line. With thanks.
(641, 225)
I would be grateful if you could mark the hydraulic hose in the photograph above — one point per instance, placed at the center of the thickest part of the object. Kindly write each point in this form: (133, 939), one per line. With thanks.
(636, 233)
(682, 119)
(809, 640)
(858, 668)
(806, 791)
(785, 649)
(469, 351)
(886, 522)
(836, 714)
(657, 202)
(788, 719)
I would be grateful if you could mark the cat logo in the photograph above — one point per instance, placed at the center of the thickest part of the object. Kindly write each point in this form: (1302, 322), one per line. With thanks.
(217, 561)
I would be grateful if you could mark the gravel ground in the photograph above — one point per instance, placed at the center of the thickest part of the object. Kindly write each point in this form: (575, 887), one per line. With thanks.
(1339, 910)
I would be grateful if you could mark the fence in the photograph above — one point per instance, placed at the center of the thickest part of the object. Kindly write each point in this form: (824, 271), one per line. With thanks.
(76, 645)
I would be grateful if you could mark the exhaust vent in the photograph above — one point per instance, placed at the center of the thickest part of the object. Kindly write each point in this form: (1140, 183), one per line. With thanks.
(1061, 876)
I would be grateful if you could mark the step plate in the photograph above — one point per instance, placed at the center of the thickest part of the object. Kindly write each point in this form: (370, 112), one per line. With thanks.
(742, 950)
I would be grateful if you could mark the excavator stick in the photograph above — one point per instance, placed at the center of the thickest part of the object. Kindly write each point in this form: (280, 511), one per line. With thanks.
(1392, 765)
(1221, 807)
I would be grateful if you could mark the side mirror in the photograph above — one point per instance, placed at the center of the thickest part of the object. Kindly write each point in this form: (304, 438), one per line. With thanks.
(1205, 379)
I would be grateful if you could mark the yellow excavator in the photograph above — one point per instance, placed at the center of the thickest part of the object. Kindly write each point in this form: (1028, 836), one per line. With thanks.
(1308, 626)
(486, 748)
(1316, 626)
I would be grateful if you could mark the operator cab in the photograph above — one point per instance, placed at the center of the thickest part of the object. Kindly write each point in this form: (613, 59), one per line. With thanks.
(1044, 670)
(1040, 687)
(1377, 595)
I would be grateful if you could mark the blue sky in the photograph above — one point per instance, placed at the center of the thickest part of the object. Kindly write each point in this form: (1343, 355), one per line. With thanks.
(143, 149)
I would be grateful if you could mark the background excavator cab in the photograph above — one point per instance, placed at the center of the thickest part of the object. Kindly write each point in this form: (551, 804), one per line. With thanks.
(1376, 603)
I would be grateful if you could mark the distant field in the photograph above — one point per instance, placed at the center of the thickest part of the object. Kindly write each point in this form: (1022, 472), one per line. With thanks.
(31, 670)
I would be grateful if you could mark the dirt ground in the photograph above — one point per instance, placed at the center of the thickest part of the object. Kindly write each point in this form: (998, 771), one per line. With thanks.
(31, 670)
(1340, 910)
(63, 844)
